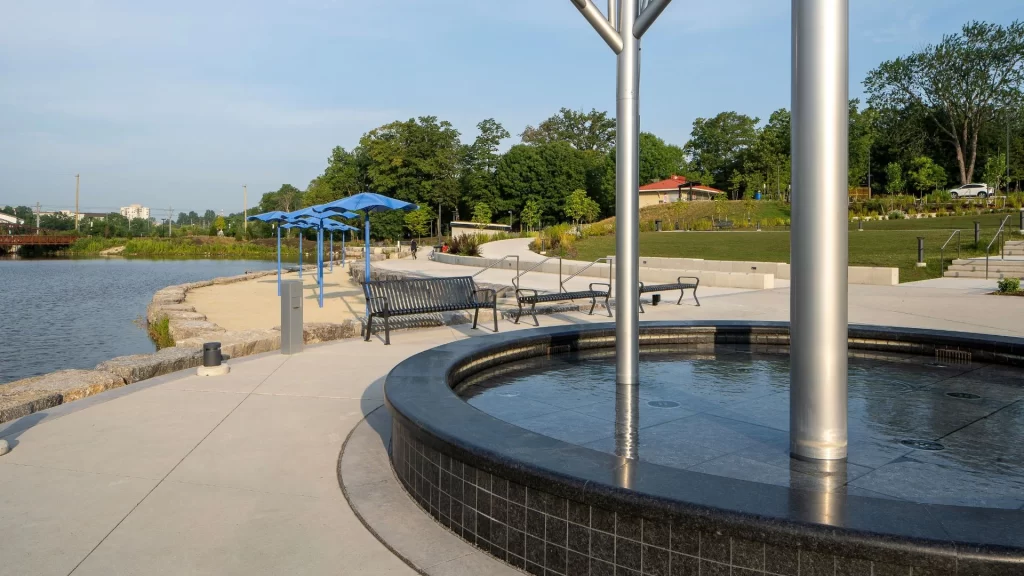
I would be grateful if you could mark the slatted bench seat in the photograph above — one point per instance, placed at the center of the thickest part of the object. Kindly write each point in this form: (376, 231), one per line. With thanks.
(408, 296)
(691, 284)
(529, 296)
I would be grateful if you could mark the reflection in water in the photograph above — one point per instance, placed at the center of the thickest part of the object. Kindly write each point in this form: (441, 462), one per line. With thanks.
(827, 503)
(627, 432)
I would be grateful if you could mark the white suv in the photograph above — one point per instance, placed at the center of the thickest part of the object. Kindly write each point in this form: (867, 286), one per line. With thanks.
(971, 191)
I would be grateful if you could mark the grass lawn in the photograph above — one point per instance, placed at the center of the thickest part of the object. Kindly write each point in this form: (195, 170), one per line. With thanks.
(886, 243)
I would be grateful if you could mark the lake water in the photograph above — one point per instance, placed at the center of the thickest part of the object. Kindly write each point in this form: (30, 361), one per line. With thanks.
(59, 314)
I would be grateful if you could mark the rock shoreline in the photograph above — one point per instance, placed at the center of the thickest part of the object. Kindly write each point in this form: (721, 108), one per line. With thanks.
(189, 328)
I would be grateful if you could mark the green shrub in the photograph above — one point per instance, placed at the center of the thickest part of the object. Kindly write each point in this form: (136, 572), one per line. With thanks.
(896, 215)
(466, 245)
(1009, 286)
(160, 333)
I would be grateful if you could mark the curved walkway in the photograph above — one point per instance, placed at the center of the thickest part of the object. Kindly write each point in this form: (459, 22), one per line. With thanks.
(237, 474)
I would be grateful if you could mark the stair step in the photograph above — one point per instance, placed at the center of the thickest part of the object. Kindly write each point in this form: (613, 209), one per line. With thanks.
(992, 275)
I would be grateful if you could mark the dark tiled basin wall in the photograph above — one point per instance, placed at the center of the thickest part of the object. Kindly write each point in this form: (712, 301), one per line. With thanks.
(549, 508)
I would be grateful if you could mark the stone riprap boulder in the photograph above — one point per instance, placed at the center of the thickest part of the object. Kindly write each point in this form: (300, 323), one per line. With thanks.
(237, 343)
(23, 397)
(154, 311)
(316, 332)
(185, 329)
(142, 366)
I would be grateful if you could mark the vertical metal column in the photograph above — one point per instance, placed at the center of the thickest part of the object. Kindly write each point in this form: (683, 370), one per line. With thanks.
(818, 296)
(622, 32)
(627, 202)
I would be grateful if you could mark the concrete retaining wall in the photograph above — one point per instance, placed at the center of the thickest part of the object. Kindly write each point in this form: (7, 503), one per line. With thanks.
(725, 278)
(876, 276)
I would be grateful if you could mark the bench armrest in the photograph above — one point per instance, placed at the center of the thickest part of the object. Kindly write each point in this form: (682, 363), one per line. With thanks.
(696, 280)
(383, 298)
(493, 294)
(518, 290)
(592, 284)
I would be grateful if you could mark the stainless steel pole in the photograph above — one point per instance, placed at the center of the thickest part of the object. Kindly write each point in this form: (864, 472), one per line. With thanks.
(627, 212)
(818, 293)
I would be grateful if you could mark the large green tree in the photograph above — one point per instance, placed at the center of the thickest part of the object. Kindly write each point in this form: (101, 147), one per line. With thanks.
(479, 162)
(416, 160)
(717, 145)
(545, 173)
(592, 130)
(961, 84)
(658, 160)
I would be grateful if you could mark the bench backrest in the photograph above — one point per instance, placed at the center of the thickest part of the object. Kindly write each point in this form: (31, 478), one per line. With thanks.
(419, 293)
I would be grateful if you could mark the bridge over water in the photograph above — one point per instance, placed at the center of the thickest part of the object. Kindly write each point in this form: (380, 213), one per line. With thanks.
(13, 237)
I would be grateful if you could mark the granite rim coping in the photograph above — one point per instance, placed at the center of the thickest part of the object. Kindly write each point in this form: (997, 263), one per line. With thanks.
(419, 393)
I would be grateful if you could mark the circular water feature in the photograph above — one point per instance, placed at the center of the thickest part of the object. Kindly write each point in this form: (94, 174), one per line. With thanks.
(534, 421)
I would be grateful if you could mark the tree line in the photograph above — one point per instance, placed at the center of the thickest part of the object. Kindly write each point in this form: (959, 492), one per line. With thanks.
(950, 113)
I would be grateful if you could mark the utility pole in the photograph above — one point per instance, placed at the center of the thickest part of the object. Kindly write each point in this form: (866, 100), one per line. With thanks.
(76, 202)
(170, 215)
(869, 173)
(245, 208)
(38, 209)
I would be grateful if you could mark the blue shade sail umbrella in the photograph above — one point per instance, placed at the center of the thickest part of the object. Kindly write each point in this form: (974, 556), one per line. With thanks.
(366, 202)
(302, 225)
(333, 226)
(320, 218)
(276, 217)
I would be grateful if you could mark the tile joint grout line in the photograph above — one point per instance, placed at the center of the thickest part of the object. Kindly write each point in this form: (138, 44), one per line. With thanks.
(171, 471)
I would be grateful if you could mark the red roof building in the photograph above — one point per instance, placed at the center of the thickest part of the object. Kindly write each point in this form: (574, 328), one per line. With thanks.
(669, 191)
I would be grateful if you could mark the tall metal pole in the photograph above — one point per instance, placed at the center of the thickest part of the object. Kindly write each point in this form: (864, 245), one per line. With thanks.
(818, 291)
(245, 208)
(622, 33)
(627, 211)
(76, 202)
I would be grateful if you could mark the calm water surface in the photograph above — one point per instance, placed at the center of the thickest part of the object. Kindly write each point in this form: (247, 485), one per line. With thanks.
(61, 314)
(917, 431)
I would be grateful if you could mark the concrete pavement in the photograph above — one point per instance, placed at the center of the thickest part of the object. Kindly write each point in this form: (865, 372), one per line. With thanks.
(237, 474)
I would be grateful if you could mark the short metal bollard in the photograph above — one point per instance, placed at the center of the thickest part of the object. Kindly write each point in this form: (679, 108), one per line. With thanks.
(213, 361)
(655, 299)
(920, 253)
(291, 317)
(657, 225)
(860, 225)
(977, 232)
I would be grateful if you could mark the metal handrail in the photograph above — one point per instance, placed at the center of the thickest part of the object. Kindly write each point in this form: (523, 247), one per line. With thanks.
(999, 235)
(942, 258)
(611, 261)
(493, 264)
(515, 281)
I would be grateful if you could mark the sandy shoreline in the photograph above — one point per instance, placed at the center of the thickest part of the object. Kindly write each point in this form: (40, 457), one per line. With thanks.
(254, 304)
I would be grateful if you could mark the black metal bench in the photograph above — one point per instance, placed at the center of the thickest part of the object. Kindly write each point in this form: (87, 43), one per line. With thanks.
(533, 298)
(722, 224)
(408, 296)
(678, 285)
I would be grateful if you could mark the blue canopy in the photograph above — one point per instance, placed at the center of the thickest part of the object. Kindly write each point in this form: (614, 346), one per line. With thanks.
(274, 217)
(366, 202)
(307, 218)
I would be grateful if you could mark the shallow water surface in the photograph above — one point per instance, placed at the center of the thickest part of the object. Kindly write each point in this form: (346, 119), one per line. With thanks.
(61, 314)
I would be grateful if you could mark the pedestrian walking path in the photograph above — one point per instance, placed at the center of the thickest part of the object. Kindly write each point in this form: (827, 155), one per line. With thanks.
(238, 474)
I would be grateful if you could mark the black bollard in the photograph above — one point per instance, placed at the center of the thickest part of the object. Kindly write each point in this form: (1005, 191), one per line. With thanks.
(977, 233)
(860, 225)
(211, 354)
(920, 252)
(657, 225)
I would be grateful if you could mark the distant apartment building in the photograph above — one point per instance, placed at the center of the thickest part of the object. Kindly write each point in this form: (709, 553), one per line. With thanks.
(135, 211)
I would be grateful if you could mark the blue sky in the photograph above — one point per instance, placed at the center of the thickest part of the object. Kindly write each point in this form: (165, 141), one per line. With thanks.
(181, 103)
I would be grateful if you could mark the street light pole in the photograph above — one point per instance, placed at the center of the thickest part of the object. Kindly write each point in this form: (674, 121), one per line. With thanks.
(622, 32)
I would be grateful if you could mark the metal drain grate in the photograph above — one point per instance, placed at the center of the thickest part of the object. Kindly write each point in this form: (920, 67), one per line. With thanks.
(923, 445)
(963, 395)
(663, 404)
(949, 357)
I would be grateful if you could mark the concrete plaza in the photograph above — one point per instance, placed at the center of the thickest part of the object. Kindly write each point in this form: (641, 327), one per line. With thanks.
(238, 474)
